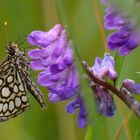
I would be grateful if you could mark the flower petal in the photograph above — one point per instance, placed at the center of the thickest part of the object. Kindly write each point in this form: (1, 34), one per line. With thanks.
(131, 86)
(43, 39)
(37, 65)
(106, 105)
(38, 54)
(76, 104)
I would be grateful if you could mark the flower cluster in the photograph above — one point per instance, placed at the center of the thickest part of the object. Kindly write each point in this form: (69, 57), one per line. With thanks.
(127, 35)
(53, 57)
(55, 60)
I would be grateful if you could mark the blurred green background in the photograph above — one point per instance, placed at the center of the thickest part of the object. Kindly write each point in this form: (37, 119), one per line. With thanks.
(84, 19)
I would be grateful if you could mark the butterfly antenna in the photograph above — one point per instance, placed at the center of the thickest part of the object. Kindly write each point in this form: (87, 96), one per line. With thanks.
(5, 30)
(19, 38)
(21, 42)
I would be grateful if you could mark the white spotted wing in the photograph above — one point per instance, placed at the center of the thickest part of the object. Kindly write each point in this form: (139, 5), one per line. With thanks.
(13, 97)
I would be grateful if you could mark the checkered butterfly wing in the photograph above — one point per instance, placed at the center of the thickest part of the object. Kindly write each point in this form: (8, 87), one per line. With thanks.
(13, 98)
(14, 83)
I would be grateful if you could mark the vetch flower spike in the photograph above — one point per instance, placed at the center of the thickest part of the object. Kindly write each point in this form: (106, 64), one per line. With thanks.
(103, 70)
(54, 57)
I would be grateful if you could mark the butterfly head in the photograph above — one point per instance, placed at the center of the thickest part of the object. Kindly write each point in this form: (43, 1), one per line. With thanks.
(13, 49)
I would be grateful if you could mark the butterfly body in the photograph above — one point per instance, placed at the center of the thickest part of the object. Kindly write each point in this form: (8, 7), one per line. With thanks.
(15, 81)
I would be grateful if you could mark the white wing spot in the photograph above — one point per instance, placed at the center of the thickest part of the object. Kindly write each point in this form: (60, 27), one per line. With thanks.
(17, 102)
(11, 105)
(15, 89)
(21, 88)
(10, 79)
(11, 85)
(5, 107)
(1, 82)
(5, 92)
(1, 106)
(24, 98)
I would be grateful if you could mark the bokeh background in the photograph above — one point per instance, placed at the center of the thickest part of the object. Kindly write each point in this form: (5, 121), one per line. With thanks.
(84, 20)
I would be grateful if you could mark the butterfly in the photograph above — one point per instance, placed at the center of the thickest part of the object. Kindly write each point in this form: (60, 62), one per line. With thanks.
(15, 81)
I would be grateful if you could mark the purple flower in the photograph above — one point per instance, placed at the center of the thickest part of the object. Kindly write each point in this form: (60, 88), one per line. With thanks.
(62, 85)
(104, 69)
(131, 86)
(105, 102)
(54, 57)
(44, 39)
(78, 103)
(127, 35)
